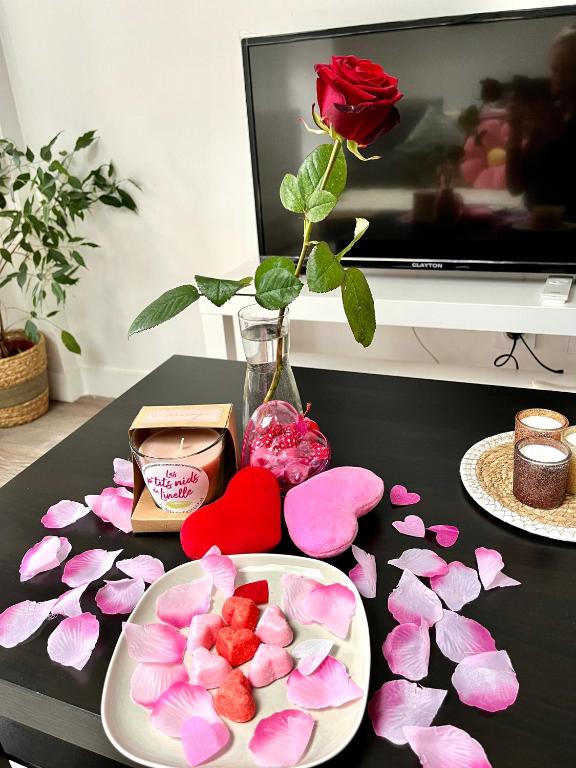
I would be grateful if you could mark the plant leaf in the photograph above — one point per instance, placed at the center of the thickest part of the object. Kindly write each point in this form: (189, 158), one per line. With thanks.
(290, 194)
(277, 288)
(6, 255)
(70, 343)
(219, 291)
(323, 271)
(359, 306)
(31, 331)
(312, 172)
(320, 203)
(360, 228)
(85, 140)
(273, 262)
(111, 200)
(164, 308)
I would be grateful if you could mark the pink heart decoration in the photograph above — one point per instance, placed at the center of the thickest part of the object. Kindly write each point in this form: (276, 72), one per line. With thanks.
(401, 497)
(286, 442)
(412, 525)
(322, 513)
(446, 535)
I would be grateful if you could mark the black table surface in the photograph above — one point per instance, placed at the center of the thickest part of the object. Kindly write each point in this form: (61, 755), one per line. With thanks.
(409, 431)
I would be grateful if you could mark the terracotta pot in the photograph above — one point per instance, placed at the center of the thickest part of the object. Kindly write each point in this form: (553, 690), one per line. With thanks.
(23, 381)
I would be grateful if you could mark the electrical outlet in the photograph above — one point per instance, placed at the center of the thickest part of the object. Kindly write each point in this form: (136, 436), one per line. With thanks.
(504, 342)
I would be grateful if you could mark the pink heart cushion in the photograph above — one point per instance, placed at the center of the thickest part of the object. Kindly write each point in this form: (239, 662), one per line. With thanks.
(322, 513)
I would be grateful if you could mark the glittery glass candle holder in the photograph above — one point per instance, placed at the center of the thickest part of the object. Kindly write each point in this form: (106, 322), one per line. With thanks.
(540, 472)
(539, 422)
(569, 440)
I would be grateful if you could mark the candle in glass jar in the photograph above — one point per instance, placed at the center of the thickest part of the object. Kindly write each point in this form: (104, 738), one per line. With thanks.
(540, 472)
(182, 468)
(539, 422)
(569, 440)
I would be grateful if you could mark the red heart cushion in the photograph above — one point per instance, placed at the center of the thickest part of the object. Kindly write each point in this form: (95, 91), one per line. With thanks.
(245, 519)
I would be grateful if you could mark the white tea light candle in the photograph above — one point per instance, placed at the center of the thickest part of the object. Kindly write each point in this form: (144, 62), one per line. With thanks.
(538, 423)
(541, 422)
(542, 453)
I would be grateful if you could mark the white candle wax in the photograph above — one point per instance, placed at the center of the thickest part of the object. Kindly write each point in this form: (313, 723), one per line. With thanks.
(541, 422)
(544, 453)
(571, 438)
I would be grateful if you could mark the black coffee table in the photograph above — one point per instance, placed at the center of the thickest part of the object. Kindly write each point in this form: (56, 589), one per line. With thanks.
(409, 431)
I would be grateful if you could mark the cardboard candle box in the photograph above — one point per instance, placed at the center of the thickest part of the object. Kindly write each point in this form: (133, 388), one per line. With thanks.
(147, 517)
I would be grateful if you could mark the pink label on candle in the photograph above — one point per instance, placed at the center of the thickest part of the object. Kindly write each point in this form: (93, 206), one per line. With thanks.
(176, 487)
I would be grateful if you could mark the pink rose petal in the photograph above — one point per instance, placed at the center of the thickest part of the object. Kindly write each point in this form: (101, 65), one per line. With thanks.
(72, 642)
(281, 739)
(399, 703)
(294, 590)
(63, 513)
(420, 562)
(150, 681)
(113, 505)
(332, 606)
(457, 637)
(123, 472)
(329, 686)
(364, 575)
(310, 654)
(412, 602)
(68, 604)
(21, 620)
(445, 746)
(221, 569)
(143, 567)
(487, 681)
(119, 596)
(459, 586)
(178, 704)
(88, 566)
(401, 497)
(407, 650)
(179, 604)
(412, 525)
(490, 565)
(446, 535)
(48, 553)
(154, 643)
(202, 740)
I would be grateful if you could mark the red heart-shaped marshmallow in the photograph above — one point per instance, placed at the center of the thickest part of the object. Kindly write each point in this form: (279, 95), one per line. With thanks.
(234, 698)
(237, 645)
(245, 519)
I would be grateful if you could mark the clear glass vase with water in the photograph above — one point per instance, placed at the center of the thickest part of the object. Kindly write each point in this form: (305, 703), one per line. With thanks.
(263, 333)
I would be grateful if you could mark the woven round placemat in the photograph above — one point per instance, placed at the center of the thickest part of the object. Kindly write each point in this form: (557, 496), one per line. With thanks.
(494, 472)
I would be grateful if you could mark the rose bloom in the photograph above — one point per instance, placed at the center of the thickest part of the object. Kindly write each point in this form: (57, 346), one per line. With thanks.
(356, 97)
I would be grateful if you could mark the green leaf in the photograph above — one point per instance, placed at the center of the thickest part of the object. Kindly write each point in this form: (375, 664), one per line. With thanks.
(7, 279)
(85, 140)
(29, 155)
(21, 181)
(273, 262)
(31, 331)
(290, 194)
(22, 274)
(320, 204)
(70, 343)
(127, 200)
(110, 200)
(58, 293)
(359, 306)
(312, 172)
(74, 182)
(219, 291)
(46, 153)
(78, 258)
(6, 255)
(323, 271)
(277, 288)
(360, 228)
(164, 308)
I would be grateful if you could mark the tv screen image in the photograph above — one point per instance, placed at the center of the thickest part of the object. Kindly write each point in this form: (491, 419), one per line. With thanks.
(481, 171)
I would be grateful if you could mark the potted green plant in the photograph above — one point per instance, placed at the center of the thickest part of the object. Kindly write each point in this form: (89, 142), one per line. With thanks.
(43, 197)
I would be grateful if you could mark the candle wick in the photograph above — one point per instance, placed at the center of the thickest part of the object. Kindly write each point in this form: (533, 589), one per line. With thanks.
(181, 446)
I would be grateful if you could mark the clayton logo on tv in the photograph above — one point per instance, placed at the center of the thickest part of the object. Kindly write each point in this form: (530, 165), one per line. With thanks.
(427, 265)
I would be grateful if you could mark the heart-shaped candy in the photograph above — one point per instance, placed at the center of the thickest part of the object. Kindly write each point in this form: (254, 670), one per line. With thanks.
(236, 645)
(322, 513)
(401, 497)
(240, 613)
(286, 442)
(234, 698)
(245, 519)
(203, 630)
(273, 627)
(270, 663)
(208, 669)
(412, 525)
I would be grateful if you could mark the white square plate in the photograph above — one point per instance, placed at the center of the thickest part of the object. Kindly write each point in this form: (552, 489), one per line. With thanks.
(127, 725)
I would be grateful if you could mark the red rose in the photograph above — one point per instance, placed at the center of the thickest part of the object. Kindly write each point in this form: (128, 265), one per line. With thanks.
(356, 97)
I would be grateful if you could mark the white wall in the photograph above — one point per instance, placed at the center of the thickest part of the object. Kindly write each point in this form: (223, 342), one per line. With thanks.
(162, 82)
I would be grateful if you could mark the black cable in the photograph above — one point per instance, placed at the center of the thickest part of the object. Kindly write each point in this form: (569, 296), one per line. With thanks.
(503, 359)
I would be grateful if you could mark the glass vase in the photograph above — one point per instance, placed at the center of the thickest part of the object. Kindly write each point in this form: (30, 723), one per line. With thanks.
(265, 338)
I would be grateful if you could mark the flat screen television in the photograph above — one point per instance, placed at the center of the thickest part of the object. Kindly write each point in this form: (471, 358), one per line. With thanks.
(488, 115)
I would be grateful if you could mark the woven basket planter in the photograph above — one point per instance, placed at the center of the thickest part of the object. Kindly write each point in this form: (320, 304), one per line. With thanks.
(23, 384)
